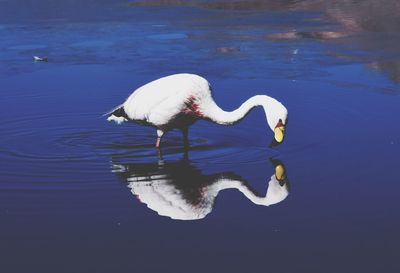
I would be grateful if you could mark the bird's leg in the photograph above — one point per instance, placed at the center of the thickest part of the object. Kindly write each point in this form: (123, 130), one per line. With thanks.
(160, 133)
(185, 133)
(160, 157)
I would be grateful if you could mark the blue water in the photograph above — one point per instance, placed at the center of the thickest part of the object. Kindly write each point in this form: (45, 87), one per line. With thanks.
(79, 194)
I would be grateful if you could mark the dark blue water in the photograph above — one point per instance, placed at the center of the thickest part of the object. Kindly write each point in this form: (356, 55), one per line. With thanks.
(79, 194)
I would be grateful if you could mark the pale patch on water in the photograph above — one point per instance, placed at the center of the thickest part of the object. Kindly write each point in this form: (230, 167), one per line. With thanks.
(168, 36)
(93, 43)
(27, 47)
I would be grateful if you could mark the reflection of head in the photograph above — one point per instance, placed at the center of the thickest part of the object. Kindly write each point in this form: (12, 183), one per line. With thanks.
(180, 191)
(276, 191)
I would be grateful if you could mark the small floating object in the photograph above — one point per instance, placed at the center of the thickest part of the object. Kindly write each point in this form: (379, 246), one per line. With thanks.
(40, 59)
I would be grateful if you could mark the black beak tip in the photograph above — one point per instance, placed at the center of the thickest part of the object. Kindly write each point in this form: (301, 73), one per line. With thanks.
(276, 162)
(274, 143)
(284, 182)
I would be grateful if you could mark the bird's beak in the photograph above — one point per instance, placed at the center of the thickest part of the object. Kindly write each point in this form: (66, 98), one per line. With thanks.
(280, 172)
(279, 134)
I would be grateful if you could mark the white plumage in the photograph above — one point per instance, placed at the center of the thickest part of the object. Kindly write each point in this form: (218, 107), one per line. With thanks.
(161, 196)
(177, 101)
(191, 195)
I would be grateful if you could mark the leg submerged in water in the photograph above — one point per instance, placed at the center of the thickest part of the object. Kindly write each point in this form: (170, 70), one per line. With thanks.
(185, 134)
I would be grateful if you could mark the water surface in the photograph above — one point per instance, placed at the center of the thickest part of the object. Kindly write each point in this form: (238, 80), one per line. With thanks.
(78, 194)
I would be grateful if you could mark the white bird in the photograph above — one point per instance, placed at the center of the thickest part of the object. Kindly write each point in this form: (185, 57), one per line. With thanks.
(180, 191)
(179, 100)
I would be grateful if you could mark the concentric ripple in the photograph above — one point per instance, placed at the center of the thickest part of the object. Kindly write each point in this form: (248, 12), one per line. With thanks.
(84, 137)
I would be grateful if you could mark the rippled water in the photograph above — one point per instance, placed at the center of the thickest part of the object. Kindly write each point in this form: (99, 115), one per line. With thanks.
(79, 194)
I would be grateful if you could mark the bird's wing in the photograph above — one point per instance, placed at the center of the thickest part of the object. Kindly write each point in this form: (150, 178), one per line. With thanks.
(110, 112)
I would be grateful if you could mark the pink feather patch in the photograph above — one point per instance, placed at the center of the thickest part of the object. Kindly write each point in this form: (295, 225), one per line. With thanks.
(192, 108)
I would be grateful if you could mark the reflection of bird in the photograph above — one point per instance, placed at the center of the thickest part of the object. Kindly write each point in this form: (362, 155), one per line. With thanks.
(180, 191)
(177, 101)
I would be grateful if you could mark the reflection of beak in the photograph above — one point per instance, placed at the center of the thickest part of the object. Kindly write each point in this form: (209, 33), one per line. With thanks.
(279, 134)
(280, 172)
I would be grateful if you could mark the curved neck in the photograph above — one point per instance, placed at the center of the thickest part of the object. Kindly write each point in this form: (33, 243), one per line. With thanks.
(217, 115)
(223, 184)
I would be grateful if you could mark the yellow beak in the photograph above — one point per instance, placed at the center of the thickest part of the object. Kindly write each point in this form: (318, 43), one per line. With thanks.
(280, 172)
(279, 133)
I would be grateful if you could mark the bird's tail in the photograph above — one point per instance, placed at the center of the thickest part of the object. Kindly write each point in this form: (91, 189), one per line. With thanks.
(117, 114)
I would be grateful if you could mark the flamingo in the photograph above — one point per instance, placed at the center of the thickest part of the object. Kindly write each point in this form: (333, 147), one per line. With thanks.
(179, 100)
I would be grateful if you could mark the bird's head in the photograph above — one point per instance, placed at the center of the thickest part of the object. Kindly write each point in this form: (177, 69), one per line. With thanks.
(277, 120)
(280, 172)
